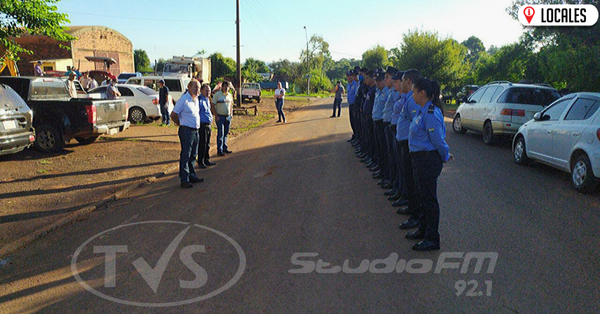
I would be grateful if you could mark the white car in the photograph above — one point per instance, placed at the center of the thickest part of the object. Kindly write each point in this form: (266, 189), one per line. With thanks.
(565, 135)
(143, 101)
(500, 108)
(177, 85)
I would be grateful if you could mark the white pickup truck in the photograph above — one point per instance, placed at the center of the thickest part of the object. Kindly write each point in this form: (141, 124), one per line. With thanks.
(250, 91)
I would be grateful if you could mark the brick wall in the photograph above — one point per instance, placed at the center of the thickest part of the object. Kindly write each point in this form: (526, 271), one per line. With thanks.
(43, 48)
(103, 41)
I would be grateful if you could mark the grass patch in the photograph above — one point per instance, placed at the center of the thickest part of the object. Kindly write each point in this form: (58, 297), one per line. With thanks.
(44, 162)
(242, 124)
(41, 171)
(269, 93)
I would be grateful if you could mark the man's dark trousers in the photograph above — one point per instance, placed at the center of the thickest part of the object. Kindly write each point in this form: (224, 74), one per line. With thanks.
(337, 104)
(188, 138)
(204, 143)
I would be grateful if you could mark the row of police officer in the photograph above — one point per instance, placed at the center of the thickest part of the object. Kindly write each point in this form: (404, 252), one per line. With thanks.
(398, 131)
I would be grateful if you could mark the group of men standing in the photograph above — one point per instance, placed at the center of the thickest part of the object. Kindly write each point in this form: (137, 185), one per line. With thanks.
(383, 116)
(194, 113)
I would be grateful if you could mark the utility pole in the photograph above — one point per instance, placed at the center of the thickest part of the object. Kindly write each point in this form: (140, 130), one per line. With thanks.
(239, 68)
(307, 64)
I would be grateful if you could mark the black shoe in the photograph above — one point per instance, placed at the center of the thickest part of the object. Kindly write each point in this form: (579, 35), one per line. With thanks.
(390, 192)
(415, 235)
(388, 186)
(405, 211)
(196, 180)
(332, 116)
(374, 169)
(208, 163)
(202, 166)
(383, 182)
(400, 202)
(371, 164)
(186, 185)
(220, 154)
(395, 197)
(338, 116)
(351, 140)
(277, 121)
(361, 155)
(227, 151)
(409, 224)
(378, 176)
(426, 245)
(366, 160)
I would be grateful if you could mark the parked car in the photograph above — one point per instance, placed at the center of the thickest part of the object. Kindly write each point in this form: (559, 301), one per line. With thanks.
(123, 77)
(58, 118)
(16, 131)
(566, 135)
(465, 92)
(251, 91)
(500, 108)
(177, 85)
(143, 101)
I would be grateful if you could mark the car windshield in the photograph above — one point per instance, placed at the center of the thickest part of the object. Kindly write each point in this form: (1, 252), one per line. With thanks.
(148, 91)
(125, 76)
(530, 96)
(42, 90)
(176, 68)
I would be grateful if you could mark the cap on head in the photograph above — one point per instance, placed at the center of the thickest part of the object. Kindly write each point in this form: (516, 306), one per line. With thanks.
(380, 76)
(398, 75)
(391, 70)
(162, 81)
(39, 62)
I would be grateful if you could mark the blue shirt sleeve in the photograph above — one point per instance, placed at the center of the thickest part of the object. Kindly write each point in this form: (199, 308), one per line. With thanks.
(436, 129)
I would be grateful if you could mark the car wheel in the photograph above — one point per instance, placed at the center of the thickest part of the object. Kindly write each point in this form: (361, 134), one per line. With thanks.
(48, 139)
(488, 133)
(86, 140)
(582, 177)
(137, 115)
(520, 154)
(457, 125)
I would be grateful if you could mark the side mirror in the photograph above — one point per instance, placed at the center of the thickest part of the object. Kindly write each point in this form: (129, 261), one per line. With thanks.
(537, 116)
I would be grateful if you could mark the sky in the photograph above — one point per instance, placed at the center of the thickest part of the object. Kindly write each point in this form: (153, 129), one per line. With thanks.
(273, 30)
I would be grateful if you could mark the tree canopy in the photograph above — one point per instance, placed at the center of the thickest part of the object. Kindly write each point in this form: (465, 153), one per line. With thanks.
(141, 61)
(36, 17)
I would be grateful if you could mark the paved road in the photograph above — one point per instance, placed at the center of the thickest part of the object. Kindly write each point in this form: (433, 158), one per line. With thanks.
(297, 188)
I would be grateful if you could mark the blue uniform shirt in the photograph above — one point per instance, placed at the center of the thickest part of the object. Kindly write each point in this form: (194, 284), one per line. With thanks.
(369, 101)
(205, 114)
(389, 104)
(428, 132)
(408, 111)
(351, 88)
(396, 109)
(380, 98)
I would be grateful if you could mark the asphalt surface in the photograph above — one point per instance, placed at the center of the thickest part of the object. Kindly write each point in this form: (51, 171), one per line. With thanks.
(227, 245)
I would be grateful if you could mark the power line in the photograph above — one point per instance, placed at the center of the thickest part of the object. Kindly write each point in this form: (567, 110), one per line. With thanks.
(144, 18)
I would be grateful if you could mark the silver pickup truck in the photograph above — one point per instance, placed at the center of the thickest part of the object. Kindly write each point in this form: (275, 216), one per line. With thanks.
(57, 118)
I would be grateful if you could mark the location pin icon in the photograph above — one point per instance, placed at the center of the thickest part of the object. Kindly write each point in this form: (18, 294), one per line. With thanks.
(529, 12)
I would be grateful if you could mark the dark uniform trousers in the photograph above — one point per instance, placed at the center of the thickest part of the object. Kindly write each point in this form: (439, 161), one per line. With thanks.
(204, 142)
(427, 167)
(351, 114)
(391, 156)
(406, 172)
(370, 140)
(381, 148)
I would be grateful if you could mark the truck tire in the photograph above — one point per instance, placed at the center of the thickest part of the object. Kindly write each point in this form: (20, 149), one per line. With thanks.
(86, 140)
(48, 139)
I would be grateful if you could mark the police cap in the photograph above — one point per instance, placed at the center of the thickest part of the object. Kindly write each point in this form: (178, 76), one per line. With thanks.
(391, 70)
(398, 76)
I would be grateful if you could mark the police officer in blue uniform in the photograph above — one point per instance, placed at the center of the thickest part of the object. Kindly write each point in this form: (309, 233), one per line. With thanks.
(389, 135)
(361, 93)
(351, 96)
(379, 131)
(367, 114)
(400, 190)
(429, 151)
(408, 111)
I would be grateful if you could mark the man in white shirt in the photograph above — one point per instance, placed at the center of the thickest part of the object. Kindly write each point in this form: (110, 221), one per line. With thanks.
(112, 92)
(279, 97)
(71, 85)
(186, 114)
(85, 81)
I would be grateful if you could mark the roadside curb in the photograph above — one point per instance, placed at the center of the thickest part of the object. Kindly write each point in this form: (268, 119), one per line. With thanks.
(78, 214)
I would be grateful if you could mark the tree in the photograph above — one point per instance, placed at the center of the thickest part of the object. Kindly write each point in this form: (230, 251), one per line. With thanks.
(318, 51)
(141, 61)
(376, 57)
(252, 68)
(37, 17)
(566, 56)
(443, 60)
(475, 47)
(221, 66)
(160, 65)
